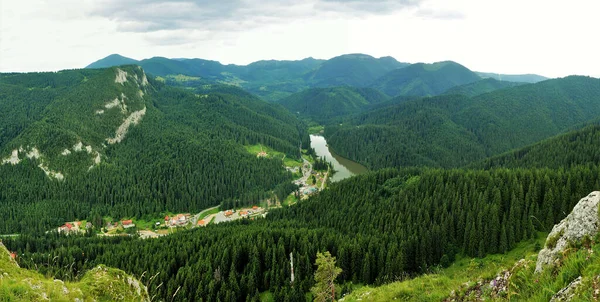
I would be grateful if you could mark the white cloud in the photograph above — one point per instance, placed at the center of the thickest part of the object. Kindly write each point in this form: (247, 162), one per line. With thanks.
(548, 37)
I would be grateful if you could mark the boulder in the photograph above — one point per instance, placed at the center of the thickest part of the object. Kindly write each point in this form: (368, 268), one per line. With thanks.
(581, 222)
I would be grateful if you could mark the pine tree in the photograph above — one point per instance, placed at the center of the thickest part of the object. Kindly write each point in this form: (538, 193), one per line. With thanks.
(324, 289)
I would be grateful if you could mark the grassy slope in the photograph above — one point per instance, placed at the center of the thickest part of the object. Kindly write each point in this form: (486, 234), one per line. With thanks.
(438, 285)
(271, 153)
(462, 278)
(100, 284)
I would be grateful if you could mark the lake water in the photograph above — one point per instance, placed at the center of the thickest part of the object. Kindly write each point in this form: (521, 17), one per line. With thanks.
(344, 167)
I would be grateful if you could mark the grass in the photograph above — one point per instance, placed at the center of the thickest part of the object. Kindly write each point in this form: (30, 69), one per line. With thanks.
(205, 213)
(578, 260)
(267, 297)
(290, 200)
(316, 129)
(182, 78)
(272, 153)
(99, 284)
(437, 286)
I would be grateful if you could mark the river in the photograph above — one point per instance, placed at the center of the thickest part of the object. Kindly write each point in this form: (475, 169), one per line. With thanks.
(344, 167)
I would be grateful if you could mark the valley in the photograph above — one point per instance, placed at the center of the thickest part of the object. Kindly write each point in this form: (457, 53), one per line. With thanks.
(439, 177)
(299, 151)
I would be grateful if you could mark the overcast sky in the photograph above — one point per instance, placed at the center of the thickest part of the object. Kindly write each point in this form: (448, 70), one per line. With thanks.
(547, 37)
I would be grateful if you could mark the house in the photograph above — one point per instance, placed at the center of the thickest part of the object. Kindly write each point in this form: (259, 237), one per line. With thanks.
(244, 213)
(13, 255)
(179, 219)
(201, 222)
(255, 208)
(127, 224)
(228, 213)
(65, 228)
(78, 224)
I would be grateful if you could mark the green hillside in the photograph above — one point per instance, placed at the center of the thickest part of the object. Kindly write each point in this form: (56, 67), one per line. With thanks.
(114, 142)
(575, 148)
(424, 79)
(481, 87)
(325, 104)
(454, 130)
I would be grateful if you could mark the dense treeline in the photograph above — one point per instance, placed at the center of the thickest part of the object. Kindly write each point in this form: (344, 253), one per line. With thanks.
(185, 155)
(326, 105)
(576, 148)
(483, 86)
(380, 226)
(422, 79)
(455, 130)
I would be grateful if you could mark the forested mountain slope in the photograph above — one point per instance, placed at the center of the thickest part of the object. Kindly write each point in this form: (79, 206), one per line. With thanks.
(425, 79)
(84, 143)
(575, 148)
(357, 70)
(380, 226)
(324, 104)
(481, 87)
(454, 130)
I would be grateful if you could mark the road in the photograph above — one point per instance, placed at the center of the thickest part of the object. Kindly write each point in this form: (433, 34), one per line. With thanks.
(306, 171)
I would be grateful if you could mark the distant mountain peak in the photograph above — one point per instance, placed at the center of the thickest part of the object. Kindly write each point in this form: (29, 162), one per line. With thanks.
(112, 60)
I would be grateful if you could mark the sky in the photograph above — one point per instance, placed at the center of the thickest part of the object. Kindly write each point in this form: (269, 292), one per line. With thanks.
(547, 37)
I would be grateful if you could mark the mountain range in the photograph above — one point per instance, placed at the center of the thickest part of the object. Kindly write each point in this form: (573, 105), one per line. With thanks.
(273, 80)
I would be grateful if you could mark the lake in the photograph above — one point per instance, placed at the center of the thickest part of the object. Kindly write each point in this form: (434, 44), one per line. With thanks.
(344, 167)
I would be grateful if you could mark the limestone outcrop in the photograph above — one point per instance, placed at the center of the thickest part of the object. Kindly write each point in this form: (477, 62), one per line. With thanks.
(580, 223)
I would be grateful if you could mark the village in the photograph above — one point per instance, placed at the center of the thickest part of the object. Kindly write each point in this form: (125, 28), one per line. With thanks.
(309, 183)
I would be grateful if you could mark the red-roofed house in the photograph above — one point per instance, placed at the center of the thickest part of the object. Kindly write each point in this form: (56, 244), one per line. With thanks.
(244, 213)
(65, 228)
(13, 255)
(127, 223)
(228, 213)
(255, 208)
(167, 218)
(201, 222)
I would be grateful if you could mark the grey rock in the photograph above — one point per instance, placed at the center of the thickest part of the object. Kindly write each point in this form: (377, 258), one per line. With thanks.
(567, 293)
(581, 222)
